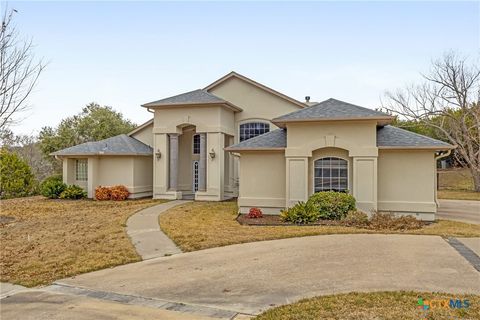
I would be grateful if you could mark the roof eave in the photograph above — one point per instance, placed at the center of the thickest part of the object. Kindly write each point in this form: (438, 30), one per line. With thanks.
(99, 154)
(439, 148)
(140, 127)
(254, 149)
(193, 104)
(381, 120)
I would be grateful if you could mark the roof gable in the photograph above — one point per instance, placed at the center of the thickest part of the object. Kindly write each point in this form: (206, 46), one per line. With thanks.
(117, 145)
(234, 74)
(332, 109)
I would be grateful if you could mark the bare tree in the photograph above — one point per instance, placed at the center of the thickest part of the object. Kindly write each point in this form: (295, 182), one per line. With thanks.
(19, 70)
(449, 102)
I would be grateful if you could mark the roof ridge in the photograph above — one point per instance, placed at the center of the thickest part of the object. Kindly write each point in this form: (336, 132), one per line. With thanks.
(357, 106)
(124, 137)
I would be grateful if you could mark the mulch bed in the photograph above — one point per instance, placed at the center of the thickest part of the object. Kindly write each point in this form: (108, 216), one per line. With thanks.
(275, 220)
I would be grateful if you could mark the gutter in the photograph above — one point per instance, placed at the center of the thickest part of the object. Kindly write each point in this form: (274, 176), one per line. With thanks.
(440, 156)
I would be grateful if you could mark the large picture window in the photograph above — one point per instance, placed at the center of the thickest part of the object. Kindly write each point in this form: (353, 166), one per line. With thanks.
(253, 129)
(331, 174)
(81, 169)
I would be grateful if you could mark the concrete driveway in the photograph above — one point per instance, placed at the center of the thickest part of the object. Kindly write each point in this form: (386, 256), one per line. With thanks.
(459, 210)
(249, 278)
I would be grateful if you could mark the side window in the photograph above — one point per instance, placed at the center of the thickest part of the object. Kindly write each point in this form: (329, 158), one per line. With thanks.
(196, 144)
(81, 169)
(253, 129)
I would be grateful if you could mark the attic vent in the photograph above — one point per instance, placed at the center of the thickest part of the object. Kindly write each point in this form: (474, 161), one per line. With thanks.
(307, 99)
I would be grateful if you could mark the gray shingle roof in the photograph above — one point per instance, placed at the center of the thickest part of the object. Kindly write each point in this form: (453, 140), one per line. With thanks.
(387, 136)
(197, 96)
(390, 136)
(271, 140)
(117, 145)
(331, 108)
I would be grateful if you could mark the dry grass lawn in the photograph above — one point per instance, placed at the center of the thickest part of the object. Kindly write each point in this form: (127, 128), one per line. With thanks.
(53, 239)
(200, 225)
(456, 184)
(458, 195)
(379, 305)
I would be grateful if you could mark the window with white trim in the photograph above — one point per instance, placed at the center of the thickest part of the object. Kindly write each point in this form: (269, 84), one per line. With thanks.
(253, 129)
(81, 169)
(196, 144)
(330, 174)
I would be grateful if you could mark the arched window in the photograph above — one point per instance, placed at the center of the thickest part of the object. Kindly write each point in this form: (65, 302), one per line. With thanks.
(196, 144)
(253, 129)
(331, 174)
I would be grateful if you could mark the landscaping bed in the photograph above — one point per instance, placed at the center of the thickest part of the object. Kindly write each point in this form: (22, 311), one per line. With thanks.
(201, 225)
(50, 239)
(276, 220)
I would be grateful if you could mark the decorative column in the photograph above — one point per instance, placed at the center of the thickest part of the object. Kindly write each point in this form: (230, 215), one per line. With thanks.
(202, 164)
(173, 161)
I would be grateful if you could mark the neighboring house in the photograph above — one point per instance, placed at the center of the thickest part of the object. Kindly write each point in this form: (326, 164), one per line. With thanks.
(237, 137)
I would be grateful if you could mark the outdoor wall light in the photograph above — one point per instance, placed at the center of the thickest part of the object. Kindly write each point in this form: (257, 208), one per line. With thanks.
(158, 154)
(212, 154)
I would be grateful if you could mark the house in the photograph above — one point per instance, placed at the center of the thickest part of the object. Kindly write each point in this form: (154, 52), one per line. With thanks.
(237, 137)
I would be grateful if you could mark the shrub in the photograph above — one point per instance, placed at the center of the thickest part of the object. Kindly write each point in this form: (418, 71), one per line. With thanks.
(333, 205)
(52, 187)
(356, 218)
(73, 192)
(254, 213)
(119, 193)
(380, 220)
(54, 177)
(16, 177)
(103, 193)
(302, 213)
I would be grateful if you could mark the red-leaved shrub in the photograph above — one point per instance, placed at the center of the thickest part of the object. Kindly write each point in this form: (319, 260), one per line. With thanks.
(254, 213)
(119, 193)
(103, 193)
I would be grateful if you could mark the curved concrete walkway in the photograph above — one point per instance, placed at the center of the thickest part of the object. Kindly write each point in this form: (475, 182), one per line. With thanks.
(249, 278)
(144, 230)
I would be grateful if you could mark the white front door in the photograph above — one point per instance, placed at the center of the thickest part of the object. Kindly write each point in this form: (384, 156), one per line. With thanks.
(195, 176)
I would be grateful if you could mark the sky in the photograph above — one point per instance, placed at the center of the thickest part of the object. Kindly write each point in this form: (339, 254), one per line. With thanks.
(124, 54)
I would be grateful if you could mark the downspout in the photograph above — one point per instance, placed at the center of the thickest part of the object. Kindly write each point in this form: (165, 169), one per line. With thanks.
(150, 110)
(440, 156)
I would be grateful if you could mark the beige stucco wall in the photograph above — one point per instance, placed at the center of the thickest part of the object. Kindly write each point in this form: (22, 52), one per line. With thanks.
(115, 170)
(134, 172)
(145, 135)
(262, 181)
(358, 137)
(204, 118)
(406, 181)
(357, 140)
(257, 104)
(142, 177)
